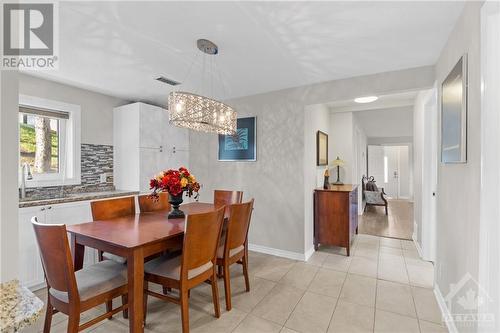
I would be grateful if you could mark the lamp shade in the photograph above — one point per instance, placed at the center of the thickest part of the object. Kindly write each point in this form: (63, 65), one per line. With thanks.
(338, 162)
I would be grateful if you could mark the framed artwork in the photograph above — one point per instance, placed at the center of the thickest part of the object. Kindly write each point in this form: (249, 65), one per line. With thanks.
(321, 148)
(241, 146)
(454, 114)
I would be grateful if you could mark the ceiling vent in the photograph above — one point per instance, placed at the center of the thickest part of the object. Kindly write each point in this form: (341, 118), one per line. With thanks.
(167, 81)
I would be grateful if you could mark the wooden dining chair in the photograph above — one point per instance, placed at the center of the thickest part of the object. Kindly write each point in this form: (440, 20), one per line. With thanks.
(224, 197)
(73, 293)
(148, 204)
(194, 266)
(235, 248)
(110, 209)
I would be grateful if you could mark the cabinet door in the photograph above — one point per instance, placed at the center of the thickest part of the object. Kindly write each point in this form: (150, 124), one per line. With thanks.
(150, 165)
(178, 158)
(69, 214)
(151, 126)
(30, 266)
(174, 136)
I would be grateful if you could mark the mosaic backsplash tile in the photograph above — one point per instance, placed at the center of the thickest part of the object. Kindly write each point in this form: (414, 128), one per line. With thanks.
(95, 160)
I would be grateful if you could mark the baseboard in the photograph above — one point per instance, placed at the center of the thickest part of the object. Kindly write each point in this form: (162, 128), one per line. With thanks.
(419, 249)
(445, 312)
(309, 253)
(280, 253)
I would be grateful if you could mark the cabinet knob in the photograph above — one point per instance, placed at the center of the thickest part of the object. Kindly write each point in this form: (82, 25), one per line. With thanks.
(42, 209)
(50, 207)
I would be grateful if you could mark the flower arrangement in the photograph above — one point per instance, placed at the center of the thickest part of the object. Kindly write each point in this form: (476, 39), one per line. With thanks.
(175, 182)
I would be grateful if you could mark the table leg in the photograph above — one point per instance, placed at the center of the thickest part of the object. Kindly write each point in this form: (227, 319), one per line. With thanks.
(135, 268)
(78, 252)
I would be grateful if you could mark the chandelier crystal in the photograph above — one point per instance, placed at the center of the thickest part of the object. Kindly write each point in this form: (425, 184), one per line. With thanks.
(198, 112)
(201, 113)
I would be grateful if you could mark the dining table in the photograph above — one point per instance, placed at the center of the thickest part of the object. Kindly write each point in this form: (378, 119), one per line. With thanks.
(134, 237)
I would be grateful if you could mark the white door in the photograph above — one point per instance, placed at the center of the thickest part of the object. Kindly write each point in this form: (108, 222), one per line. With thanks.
(391, 171)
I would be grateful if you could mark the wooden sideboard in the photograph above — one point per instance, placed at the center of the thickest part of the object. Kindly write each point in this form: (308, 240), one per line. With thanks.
(335, 216)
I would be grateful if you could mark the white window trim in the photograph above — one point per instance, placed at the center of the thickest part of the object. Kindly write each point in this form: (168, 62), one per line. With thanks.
(69, 161)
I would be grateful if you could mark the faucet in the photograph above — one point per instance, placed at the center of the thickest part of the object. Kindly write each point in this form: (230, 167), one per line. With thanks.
(25, 174)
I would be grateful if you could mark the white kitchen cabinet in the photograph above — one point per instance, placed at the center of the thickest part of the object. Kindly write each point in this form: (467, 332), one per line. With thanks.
(30, 266)
(145, 144)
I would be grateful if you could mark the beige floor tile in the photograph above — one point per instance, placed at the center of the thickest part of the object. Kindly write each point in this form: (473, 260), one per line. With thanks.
(421, 275)
(244, 301)
(390, 242)
(395, 297)
(317, 258)
(364, 266)
(252, 324)
(278, 304)
(388, 322)
(111, 326)
(359, 290)
(366, 253)
(352, 318)
(337, 262)
(327, 282)
(426, 304)
(287, 330)
(392, 270)
(367, 246)
(409, 254)
(167, 320)
(299, 276)
(274, 269)
(227, 322)
(332, 250)
(384, 250)
(408, 245)
(312, 314)
(368, 239)
(426, 327)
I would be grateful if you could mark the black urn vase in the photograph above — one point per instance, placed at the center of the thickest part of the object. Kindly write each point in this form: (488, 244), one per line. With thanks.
(175, 201)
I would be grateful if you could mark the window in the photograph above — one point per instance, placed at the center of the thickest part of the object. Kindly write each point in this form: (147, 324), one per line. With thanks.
(49, 141)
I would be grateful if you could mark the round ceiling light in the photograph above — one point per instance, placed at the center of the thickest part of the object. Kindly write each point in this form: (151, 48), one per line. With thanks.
(366, 99)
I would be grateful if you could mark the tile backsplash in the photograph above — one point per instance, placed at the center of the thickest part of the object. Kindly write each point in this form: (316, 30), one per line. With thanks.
(95, 161)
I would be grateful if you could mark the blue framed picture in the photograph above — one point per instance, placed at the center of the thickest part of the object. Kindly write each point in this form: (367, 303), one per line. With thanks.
(241, 146)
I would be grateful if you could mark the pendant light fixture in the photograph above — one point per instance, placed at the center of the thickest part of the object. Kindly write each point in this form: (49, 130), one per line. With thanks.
(200, 113)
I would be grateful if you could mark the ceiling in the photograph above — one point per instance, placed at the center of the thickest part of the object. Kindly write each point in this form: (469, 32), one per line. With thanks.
(393, 100)
(118, 48)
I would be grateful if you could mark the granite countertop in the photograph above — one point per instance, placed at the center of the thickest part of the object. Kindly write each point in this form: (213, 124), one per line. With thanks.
(75, 197)
(19, 307)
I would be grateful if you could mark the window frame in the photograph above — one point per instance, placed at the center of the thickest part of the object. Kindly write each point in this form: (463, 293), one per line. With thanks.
(69, 144)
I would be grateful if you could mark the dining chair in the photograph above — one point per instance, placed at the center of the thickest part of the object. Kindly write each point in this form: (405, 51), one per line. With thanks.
(148, 204)
(73, 293)
(225, 197)
(235, 248)
(110, 209)
(195, 265)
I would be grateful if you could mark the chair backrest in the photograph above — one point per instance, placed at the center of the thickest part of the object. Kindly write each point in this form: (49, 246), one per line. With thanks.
(148, 204)
(224, 198)
(238, 225)
(112, 208)
(57, 264)
(201, 239)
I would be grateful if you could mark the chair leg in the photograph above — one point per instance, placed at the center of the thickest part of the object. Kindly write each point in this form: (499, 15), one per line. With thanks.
(245, 273)
(145, 301)
(227, 286)
(185, 311)
(215, 295)
(219, 271)
(48, 318)
(386, 210)
(109, 308)
(73, 322)
(125, 301)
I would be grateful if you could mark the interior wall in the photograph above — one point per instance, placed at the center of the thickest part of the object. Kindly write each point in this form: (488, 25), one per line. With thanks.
(9, 194)
(276, 179)
(317, 118)
(96, 109)
(418, 142)
(360, 142)
(340, 143)
(459, 184)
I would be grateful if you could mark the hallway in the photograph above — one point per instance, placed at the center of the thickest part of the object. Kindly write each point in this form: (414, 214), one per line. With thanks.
(397, 224)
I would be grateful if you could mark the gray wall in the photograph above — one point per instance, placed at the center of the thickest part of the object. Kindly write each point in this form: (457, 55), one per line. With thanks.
(276, 180)
(459, 184)
(96, 109)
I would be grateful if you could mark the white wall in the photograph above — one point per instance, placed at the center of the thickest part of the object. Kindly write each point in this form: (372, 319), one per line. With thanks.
(317, 118)
(459, 184)
(96, 109)
(391, 122)
(8, 175)
(276, 179)
(340, 143)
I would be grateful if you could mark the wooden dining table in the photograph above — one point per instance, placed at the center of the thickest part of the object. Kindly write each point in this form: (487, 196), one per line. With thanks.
(134, 237)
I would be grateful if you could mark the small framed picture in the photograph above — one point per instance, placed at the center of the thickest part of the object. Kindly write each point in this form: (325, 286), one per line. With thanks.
(321, 148)
(241, 146)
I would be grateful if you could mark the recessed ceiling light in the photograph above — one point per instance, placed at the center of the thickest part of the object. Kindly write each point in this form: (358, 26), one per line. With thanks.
(366, 99)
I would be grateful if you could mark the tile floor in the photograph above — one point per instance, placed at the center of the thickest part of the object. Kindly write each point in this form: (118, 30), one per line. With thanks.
(382, 287)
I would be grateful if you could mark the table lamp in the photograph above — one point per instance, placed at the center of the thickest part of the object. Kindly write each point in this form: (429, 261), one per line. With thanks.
(338, 163)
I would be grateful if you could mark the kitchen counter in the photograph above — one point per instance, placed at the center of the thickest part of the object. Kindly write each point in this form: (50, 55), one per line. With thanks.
(75, 197)
(19, 307)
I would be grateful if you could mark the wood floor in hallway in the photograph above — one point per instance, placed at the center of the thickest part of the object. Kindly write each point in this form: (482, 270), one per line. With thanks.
(397, 224)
